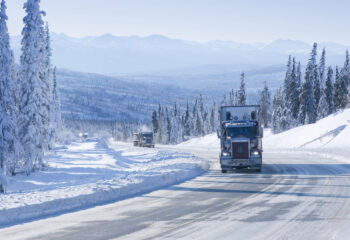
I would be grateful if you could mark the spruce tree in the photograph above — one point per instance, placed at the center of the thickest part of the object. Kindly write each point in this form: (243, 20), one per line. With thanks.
(322, 109)
(308, 107)
(31, 105)
(329, 91)
(294, 90)
(265, 105)
(242, 92)
(337, 90)
(288, 80)
(322, 68)
(8, 111)
(187, 121)
(344, 81)
(277, 111)
(155, 124)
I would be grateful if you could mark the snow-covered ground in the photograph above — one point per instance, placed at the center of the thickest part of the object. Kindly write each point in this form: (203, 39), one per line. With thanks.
(93, 172)
(97, 171)
(327, 138)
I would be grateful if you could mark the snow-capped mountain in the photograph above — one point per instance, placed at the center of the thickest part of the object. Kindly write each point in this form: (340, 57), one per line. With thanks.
(108, 54)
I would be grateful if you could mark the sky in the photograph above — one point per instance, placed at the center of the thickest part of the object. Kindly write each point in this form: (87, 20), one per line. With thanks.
(245, 21)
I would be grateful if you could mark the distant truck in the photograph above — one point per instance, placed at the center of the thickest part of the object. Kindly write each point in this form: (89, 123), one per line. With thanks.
(144, 139)
(240, 137)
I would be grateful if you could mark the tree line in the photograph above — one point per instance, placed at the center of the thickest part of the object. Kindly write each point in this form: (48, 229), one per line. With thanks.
(322, 92)
(30, 115)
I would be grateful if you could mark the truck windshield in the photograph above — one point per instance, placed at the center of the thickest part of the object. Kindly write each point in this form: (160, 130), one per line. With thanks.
(147, 135)
(246, 132)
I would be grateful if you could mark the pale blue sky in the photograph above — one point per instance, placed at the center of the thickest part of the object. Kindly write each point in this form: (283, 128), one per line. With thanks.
(199, 20)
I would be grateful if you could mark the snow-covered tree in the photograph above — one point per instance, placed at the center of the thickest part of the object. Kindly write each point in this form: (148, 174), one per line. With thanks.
(277, 111)
(329, 91)
(295, 85)
(242, 98)
(337, 90)
(322, 68)
(32, 105)
(56, 115)
(344, 81)
(265, 104)
(8, 111)
(288, 80)
(308, 107)
(322, 109)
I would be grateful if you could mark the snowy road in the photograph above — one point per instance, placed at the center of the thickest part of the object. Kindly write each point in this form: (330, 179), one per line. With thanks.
(295, 197)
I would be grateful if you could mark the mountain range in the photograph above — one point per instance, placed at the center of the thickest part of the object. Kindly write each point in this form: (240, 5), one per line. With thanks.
(155, 54)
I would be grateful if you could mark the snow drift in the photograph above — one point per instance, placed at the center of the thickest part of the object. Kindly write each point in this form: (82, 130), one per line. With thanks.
(93, 172)
(332, 132)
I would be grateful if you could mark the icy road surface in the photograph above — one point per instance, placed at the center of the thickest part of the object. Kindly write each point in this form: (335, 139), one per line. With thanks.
(295, 197)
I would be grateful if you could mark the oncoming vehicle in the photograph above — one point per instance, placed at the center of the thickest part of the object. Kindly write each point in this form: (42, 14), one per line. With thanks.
(144, 139)
(240, 138)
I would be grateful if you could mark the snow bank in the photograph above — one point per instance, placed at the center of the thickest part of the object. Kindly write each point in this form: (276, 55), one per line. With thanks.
(90, 173)
(332, 132)
(207, 143)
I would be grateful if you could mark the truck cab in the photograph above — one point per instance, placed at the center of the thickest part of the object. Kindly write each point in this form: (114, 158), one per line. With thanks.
(240, 138)
(144, 139)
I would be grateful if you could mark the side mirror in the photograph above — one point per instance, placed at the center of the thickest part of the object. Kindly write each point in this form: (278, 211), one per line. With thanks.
(218, 133)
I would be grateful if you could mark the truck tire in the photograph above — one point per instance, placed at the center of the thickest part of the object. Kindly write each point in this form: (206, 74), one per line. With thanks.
(224, 171)
(258, 170)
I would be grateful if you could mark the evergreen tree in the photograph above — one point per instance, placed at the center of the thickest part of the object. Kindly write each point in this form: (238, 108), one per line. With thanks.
(322, 68)
(242, 92)
(32, 102)
(329, 91)
(308, 107)
(322, 109)
(295, 82)
(337, 90)
(286, 119)
(265, 104)
(288, 80)
(277, 111)
(8, 134)
(56, 116)
(155, 122)
(344, 81)
(168, 126)
(187, 122)
(212, 118)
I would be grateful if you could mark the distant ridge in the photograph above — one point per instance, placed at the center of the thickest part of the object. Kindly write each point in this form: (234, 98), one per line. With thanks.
(108, 54)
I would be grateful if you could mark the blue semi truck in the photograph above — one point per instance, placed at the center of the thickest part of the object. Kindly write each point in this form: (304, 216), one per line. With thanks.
(240, 137)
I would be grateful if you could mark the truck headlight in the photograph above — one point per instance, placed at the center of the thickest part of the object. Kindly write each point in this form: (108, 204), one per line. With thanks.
(255, 153)
(225, 154)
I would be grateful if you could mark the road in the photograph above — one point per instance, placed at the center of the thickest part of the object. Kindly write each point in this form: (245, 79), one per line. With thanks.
(296, 196)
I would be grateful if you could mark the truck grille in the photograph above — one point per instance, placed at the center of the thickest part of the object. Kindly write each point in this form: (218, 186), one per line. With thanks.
(240, 150)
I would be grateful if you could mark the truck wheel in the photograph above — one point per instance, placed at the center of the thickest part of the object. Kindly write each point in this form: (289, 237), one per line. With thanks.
(224, 171)
(258, 170)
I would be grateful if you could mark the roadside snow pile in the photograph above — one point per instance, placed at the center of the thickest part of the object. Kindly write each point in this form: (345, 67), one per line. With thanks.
(94, 172)
(332, 132)
(207, 143)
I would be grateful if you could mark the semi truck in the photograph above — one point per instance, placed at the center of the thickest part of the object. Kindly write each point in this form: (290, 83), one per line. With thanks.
(144, 139)
(240, 137)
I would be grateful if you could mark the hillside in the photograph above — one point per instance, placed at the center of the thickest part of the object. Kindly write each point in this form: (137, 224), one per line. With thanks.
(331, 132)
(98, 97)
